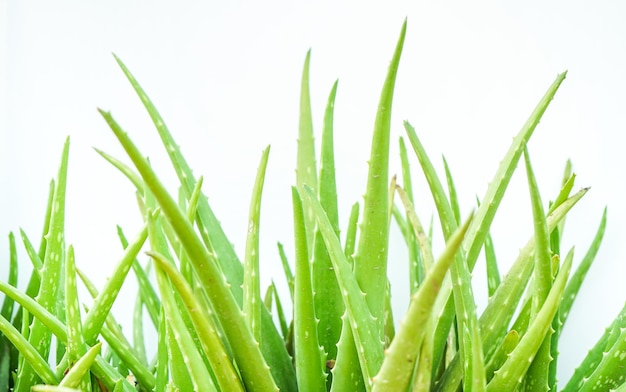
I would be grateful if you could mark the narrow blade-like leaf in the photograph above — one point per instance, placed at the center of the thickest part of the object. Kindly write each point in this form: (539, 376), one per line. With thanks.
(251, 282)
(308, 353)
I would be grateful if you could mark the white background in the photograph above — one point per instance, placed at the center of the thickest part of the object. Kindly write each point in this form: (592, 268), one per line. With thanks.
(226, 79)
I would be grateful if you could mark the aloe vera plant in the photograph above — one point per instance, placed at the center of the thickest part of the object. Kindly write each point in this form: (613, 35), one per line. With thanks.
(217, 331)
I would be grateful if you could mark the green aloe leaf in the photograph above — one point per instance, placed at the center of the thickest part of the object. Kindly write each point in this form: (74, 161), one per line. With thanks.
(495, 192)
(366, 338)
(80, 370)
(40, 336)
(199, 374)
(417, 230)
(537, 375)
(401, 356)
(215, 240)
(286, 269)
(465, 308)
(493, 273)
(284, 327)
(213, 348)
(508, 377)
(371, 257)
(251, 283)
(484, 215)
(139, 343)
(255, 372)
(146, 290)
(510, 341)
(207, 222)
(454, 200)
(351, 231)
(162, 368)
(328, 304)
(309, 355)
(416, 269)
(306, 168)
(38, 365)
(34, 281)
(117, 342)
(422, 377)
(370, 260)
(8, 303)
(75, 341)
(495, 319)
(52, 388)
(598, 355)
(542, 275)
(571, 291)
(125, 169)
(444, 307)
(32, 254)
(104, 301)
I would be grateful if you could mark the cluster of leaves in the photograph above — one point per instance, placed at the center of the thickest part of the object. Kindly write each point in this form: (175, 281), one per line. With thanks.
(216, 332)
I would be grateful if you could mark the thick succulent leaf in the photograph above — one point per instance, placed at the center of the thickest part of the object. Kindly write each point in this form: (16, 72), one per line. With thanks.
(216, 241)
(493, 273)
(418, 231)
(121, 348)
(416, 269)
(162, 367)
(400, 358)
(537, 376)
(286, 269)
(52, 388)
(328, 304)
(284, 328)
(579, 275)
(542, 275)
(102, 369)
(510, 341)
(464, 304)
(454, 200)
(32, 254)
(351, 231)
(495, 192)
(309, 355)
(306, 168)
(598, 354)
(368, 345)
(252, 306)
(198, 373)
(370, 265)
(346, 371)
(495, 319)
(38, 365)
(444, 307)
(8, 303)
(75, 341)
(210, 227)
(251, 363)
(40, 336)
(124, 169)
(370, 259)
(422, 376)
(508, 377)
(104, 302)
(80, 370)
(213, 348)
(138, 334)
